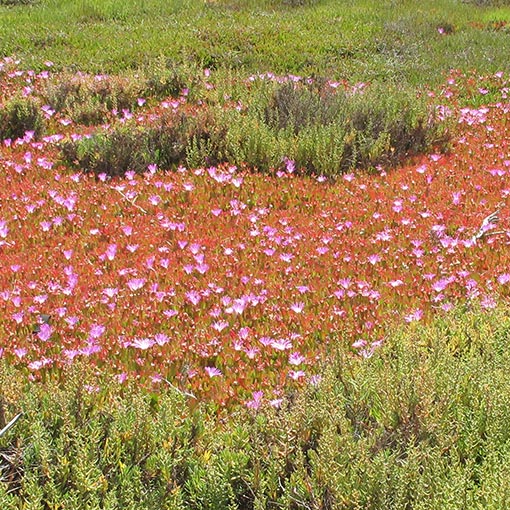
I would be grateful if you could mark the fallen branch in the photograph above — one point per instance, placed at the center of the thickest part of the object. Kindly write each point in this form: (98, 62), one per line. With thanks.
(487, 223)
(178, 390)
(132, 202)
(10, 424)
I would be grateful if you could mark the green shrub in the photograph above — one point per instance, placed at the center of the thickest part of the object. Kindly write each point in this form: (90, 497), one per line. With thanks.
(19, 115)
(164, 77)
(330, 132)
(166, 143)
(323, 131)
(90, 99)
(297, 108)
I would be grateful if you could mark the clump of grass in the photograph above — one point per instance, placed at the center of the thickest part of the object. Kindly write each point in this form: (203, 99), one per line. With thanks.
(423, 423)
(19, 115)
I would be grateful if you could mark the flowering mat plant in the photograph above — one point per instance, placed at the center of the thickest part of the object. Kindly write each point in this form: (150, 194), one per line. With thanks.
(231, 285)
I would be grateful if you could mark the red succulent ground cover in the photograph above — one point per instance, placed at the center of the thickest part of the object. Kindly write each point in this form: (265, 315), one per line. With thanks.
(233, 285)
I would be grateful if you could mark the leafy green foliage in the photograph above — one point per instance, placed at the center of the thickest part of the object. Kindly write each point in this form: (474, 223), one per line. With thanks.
(89, 99)
(132, 147)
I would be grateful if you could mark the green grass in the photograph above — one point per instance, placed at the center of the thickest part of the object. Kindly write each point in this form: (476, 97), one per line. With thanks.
(422, 424)
(357, 40)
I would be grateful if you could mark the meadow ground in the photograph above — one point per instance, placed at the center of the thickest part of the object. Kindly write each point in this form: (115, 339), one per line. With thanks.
(258, 260)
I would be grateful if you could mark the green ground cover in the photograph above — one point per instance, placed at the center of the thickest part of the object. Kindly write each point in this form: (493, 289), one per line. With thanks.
(356, 40)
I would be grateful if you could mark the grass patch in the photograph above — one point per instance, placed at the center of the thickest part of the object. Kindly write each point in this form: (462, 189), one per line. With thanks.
(423, 423)
(358, 41)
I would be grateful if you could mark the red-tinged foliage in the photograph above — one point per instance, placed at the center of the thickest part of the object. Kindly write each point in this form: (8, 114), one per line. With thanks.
(225, 282)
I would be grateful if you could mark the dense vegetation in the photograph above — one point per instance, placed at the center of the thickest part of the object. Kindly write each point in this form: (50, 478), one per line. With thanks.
(254, 254)
(422, 424)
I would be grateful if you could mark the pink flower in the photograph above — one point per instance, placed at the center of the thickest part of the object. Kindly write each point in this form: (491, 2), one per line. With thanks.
(280, 345)
(44, 333)
(111, 252)
(96, 331)
(220, 326)
(358, 344)
(193, 297)
(161, 338)
(3, 229)
(440, 285)
(212, 371)
(297, 307)
(503, 278)
(121, 378)
(20, 352)
(202, 268)
(142, 343)
(374, 258)
(296, 374)
(136, 284)
(488, 302)
(315, 379)
(18, 317)
(90, 349)
(110, 292)
(416, 315)
(238, 306)
(38, 364)
(296, 358)
(256, 402)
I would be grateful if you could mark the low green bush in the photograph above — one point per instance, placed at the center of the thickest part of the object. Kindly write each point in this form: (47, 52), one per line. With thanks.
(90, 99)
(166, 143)
(19, 115)
(323, 131)
(163, 77)
(329, 132)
